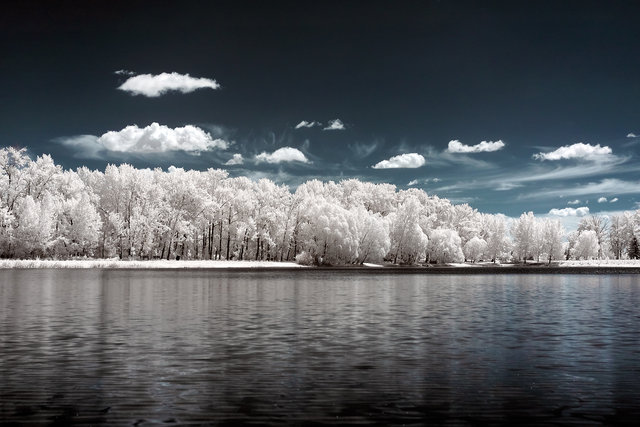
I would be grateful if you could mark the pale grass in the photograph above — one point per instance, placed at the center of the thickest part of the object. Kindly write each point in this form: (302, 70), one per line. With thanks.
(150, 264)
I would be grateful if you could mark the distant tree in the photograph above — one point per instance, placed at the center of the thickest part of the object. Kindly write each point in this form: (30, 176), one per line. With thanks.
(634, 250)
(494, 232)
(551, 237)
(474, 249)
(523, 232)
(617, 233)
(445, 246)
(408, 241)
(586, 246)
(600, 225)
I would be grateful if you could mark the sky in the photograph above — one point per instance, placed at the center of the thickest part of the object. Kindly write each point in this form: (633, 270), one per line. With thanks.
(507, 106)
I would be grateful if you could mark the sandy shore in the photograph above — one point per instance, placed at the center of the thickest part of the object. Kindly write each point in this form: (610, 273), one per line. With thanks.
(563, 267)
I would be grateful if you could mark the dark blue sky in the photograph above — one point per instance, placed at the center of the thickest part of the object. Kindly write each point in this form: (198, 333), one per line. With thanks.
(403, 77)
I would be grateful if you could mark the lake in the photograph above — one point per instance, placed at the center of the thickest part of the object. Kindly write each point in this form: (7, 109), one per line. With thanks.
(134, 347)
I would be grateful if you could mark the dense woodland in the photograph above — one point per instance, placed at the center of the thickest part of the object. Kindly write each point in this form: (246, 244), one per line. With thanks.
(131, 213)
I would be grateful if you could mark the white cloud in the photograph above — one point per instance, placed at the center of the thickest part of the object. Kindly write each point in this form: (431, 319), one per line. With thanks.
(602, 200)
(412, 182)
(284, 154)
(583, 211)
(306, 124)
(335, 125)
(235, 160)
(410, 160)
(124, 73)
(157, 138)
(576, 151)
(631, 135)
(574, 202)
(155, 85)
(84, 146)
(456, 146)
(615, 199)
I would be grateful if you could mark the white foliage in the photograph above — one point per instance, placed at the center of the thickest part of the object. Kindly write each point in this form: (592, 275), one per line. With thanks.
(586, 246)
(408, 241)
(445, 246)
(474, 249)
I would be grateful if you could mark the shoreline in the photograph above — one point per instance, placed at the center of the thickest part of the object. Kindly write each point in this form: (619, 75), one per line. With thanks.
(564, 267)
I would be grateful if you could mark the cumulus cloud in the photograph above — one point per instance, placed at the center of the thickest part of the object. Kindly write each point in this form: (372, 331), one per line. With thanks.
(615, 199)
(576, 151)
(157, 138)
(155, 85)
(631, 135)
(335, 125)
(412, 182)
(410, 160)
(284, 154)
(583, 211)
(306, 124)
(235, 160)
(574, 202)
(456, 146)
(602, 200)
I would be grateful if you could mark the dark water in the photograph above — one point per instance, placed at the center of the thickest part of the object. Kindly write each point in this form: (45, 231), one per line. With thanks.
(198, 347)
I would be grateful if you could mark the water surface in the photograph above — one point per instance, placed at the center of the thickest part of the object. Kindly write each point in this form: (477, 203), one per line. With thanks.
(141, 347)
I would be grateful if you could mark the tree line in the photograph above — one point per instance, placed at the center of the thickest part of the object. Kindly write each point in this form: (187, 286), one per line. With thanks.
(132, 213)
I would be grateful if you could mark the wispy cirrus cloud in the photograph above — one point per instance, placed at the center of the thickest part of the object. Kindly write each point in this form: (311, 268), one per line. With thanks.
(282, 155)
(83, 146)
(124, 73)
(409, 160)
(306, 124)
(335, 125)
(456, 146)
(422, 181)
(155, 85)
(576, 151)
(605, 186)
(363, 150)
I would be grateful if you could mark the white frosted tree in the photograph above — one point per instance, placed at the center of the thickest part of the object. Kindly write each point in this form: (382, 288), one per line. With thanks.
(494, 232)
(408, 241)
(373, 235)
(551, 238)
(474, 249)
(600, 225)
(33, 234)
(6, 231)
(586, 246)
(523, 232)
(444, 246)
